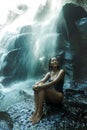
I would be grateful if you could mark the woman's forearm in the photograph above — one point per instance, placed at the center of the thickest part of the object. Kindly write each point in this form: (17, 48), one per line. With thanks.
(46, 85)
(57, 79)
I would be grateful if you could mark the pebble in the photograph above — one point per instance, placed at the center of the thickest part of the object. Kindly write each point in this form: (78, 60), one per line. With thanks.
(21, 112)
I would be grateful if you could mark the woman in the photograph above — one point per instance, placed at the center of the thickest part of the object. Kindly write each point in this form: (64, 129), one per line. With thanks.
(51, 91)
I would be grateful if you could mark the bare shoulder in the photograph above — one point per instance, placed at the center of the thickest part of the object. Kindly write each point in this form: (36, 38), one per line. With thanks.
(46, 77)
(62, 71)
(48, 74)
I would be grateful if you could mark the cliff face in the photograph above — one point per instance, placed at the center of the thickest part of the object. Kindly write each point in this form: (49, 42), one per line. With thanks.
(82, 3)
(74, 32)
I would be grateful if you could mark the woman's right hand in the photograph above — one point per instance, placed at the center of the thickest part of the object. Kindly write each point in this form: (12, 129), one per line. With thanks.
(35, 88)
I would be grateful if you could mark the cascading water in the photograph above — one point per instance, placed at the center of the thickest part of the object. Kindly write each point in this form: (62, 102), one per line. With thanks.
(28, 39)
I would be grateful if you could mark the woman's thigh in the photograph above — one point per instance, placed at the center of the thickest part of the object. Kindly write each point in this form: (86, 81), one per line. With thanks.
(54, 96)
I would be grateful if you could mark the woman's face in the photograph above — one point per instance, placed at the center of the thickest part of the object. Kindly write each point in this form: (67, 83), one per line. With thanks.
(54, 63)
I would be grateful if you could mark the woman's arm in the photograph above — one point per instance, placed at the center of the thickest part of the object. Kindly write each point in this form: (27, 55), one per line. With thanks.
(46, 77)
(58, 78)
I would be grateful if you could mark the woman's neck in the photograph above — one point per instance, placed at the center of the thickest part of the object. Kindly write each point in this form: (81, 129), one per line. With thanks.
(55, 69)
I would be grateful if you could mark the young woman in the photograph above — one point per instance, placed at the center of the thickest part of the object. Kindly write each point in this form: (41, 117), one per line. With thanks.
(51, 91)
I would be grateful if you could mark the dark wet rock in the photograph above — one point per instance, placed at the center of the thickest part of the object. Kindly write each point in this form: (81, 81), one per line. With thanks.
(76, 31)
(73, 29)
(76, 103)
(82, 24)
(73, 13)
(6, 122)
(18, 48)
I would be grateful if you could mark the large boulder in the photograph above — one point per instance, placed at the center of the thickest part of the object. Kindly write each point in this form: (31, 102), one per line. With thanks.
(76, 26)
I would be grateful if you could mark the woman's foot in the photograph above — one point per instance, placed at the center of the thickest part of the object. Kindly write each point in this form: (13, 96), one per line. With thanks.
(32, 117)
(37, 118)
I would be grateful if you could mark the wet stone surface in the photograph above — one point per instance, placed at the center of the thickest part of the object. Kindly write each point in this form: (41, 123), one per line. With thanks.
(6, 122)
(67, 117)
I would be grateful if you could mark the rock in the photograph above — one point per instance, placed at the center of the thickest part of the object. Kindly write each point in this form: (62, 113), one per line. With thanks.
(76, 104)
(72, 114)
(6, 122)
(77, 37)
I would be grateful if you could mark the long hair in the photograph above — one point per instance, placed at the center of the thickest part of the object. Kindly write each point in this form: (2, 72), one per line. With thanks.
(50, 68)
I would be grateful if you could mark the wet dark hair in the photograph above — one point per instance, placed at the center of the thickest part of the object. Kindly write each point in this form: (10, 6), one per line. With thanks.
(50, 68)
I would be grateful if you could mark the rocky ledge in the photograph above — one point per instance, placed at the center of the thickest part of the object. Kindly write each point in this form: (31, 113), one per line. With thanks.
(71, 115)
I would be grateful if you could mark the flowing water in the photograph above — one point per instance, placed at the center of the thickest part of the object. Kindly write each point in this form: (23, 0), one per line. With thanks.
(28, 38)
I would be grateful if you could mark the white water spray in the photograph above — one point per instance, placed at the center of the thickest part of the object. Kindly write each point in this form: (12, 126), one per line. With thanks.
(41, 16)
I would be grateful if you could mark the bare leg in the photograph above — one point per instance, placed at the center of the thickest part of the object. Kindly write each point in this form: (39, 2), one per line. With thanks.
(36, 101)
(50, 95)
(39, 113)
(54, 96)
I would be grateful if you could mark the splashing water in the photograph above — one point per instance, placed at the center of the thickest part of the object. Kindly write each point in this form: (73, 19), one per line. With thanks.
(28, 39)
(33, 32)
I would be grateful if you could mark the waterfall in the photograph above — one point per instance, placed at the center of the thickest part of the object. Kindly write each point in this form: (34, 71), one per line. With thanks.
(28, 39)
